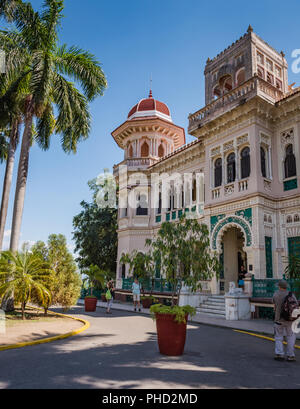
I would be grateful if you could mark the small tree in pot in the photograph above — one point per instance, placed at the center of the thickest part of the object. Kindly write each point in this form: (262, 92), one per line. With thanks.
(142, 266)
(94, 276)
(186, 259)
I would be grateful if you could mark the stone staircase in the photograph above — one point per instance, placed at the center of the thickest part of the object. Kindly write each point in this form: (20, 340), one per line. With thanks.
(213, 306)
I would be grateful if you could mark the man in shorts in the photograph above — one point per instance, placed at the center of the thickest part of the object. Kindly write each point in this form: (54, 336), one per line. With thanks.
(136, 292)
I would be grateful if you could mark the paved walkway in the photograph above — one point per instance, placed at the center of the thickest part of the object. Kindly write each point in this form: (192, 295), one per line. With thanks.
(256, 325)
(120, 351)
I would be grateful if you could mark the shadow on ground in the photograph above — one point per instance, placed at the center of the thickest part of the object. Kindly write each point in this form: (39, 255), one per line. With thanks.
(214, 358)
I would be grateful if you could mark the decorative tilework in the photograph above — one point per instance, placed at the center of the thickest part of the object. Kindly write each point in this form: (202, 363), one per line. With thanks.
(214, 220)
(245, 214)
(228, 220)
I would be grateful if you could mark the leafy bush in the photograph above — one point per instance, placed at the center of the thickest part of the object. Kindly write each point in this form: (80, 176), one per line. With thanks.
(179, 312)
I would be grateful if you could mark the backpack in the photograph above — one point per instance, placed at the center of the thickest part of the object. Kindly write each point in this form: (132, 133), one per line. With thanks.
(289, 304)
(108, 295)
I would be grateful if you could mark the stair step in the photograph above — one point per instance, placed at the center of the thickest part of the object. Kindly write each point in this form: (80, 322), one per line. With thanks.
(214, 302)
(217, 299)
(213, 306)
(212, 315)
(211, 311)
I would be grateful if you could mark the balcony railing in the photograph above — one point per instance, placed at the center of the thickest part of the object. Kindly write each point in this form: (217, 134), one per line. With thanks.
(265, 288)
(135, 163)
(254, 86)
(175, 214)
(158, 285)
(243, 185)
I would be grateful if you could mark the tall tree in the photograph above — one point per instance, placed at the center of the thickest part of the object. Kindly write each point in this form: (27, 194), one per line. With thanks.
(65, 282)
(11, 109)
(95, 235)
(49, 88)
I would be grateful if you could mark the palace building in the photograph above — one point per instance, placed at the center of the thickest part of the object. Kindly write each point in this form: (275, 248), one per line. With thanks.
(247, 145)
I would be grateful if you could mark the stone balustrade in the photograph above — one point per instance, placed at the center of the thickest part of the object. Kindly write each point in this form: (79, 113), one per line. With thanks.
(254, 86)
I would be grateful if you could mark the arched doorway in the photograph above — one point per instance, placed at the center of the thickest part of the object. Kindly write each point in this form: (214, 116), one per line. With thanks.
(232, 257)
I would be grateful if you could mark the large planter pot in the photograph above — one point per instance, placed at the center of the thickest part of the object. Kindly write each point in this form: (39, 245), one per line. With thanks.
(146, 302)
(90, 304)
(171, 335)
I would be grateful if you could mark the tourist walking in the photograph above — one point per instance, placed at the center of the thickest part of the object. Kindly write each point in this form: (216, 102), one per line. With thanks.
(136, 293)
(110, 295)
(282, 325)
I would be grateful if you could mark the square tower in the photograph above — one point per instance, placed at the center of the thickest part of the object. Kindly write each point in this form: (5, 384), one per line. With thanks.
(247, 57)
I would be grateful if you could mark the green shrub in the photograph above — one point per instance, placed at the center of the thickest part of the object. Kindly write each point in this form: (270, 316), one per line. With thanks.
(179, 312)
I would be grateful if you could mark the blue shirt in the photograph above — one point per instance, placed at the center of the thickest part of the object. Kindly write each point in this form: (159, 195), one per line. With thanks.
(136, 288)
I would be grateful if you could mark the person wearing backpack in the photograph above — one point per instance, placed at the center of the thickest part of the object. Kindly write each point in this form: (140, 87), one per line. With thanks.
(284, 303)
(110, 295)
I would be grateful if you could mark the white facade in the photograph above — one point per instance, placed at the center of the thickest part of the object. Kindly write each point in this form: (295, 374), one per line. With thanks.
(248, 147)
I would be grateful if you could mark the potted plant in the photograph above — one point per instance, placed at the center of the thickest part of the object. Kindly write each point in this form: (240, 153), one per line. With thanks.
(171, 323)
(148, 300)
(90, 303)
(186, 259)
(103, 297)
(94, 276)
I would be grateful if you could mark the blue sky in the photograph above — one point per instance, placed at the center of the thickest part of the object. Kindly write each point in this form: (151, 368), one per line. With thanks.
(133, 39)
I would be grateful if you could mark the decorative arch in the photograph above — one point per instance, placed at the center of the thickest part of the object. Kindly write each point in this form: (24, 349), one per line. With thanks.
(145, 149)
(130, 151)
(240, 76)
(227, 223)
(161, 150)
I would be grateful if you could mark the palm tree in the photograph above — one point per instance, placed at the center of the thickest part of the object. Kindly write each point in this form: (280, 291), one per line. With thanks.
(49, 87)
(12, 94)
(94, 276)
(23, 274)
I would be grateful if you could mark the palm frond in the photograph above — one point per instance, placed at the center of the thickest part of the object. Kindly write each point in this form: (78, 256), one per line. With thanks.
(83, 67)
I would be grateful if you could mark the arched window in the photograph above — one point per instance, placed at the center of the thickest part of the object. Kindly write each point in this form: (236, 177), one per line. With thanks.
(290, 162)
(241, 77)
(217, 92)
(159, 203)
(231, 168)
(261, 72)
(194, 191)
(130, 151)
(142, 207)
(263, 162)
(161, 151)
(218, 172)
(145, 150)
(227, 84)
(245, 163)
(123, 271)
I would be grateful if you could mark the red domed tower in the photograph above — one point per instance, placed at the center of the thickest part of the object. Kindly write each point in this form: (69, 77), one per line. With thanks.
(148, 134)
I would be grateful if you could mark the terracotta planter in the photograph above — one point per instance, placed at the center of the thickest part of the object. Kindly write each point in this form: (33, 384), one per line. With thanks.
(171, 336)
(90, 304)
(147, 302)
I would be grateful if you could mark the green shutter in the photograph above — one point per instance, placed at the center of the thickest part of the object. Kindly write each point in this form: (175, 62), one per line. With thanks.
(269, 258)
(290, 185)
(294, 246)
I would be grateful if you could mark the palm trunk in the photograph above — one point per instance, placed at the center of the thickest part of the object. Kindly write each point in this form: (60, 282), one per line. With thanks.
(8, 178)
(21, 184)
